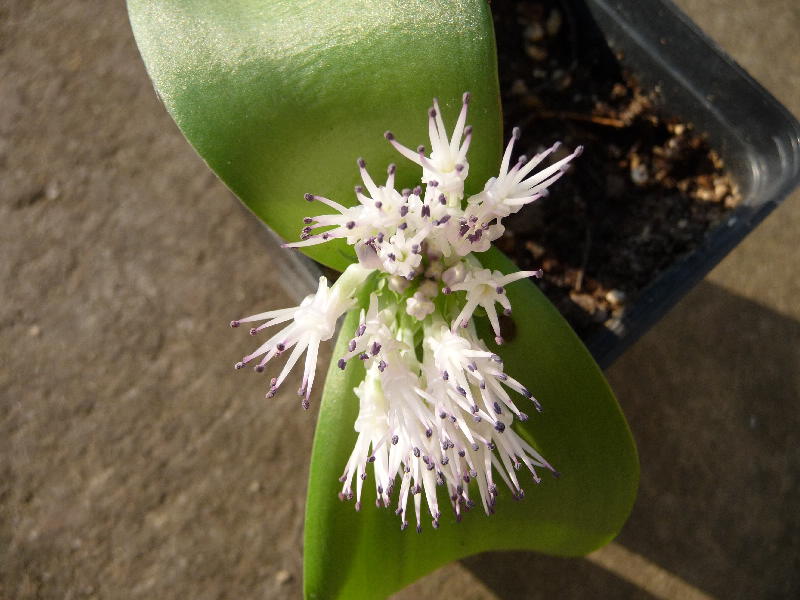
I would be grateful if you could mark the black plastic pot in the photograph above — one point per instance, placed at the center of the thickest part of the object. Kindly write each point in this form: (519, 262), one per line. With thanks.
(756, 136)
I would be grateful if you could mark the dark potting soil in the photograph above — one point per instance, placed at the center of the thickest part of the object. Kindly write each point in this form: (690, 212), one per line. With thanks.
(646, 190)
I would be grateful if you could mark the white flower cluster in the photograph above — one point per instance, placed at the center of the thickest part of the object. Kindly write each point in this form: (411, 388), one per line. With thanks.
(435, 406)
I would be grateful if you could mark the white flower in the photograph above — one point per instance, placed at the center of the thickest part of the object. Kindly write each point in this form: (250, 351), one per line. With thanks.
(512, 189)
(447, 164)
(435, 407)
(360, 223)
(312, 322)
(485, 288)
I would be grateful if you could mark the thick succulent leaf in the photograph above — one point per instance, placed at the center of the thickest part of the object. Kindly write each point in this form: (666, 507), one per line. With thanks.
(281, 97)
(363, 555)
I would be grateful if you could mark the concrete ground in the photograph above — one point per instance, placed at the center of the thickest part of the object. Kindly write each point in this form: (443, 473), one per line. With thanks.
(134, 463)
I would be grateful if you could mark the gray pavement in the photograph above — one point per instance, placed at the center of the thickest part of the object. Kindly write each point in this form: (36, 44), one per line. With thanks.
(135, 464)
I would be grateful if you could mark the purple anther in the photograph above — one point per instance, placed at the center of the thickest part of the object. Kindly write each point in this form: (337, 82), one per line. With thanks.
(341, 364)
(416, 451)
(351, 345)
(459, 168)
(433, 183)
(525, 392)
(238, 365)
(444, 219)
(445, 375)
(475, 446)
(305, 403)
(380, 237)
(538, 274)
(392, 257)
(307, 221)
(363, 356)
(395, 439)
(522, 417)
(419, 528)
(462, 453)
(463, 230)
(507, 312)
(443, 201)
(381, 366)
(500, 426)
(426, 211)
(388, 135)
(359, 189)
(376, 347)
(446, 290)
(497, 358)
(417, 191)
(371, 459)
(235, 324)
(391, 169)
(471, 366)
(379, 205)
(461, 390)
(420, 149)
(500, 289)
(360, 331)
(309, 197)
(350, 224)
(468, 130)
(361, 163)
(404, 210)
(325, 236)
(428, 432)
(253, 331)
(497, 408)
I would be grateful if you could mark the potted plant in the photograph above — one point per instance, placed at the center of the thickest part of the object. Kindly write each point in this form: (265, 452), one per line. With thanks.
(279, 101)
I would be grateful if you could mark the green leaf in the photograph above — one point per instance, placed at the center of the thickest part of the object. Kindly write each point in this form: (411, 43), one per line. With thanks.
(281, 97)
(582, 432)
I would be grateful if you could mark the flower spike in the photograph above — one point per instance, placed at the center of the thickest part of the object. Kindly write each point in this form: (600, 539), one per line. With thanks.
(435, 405)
